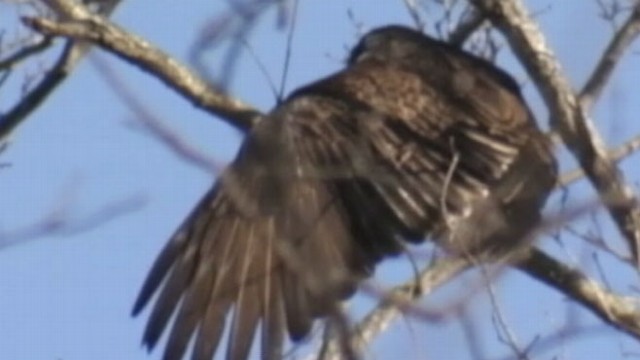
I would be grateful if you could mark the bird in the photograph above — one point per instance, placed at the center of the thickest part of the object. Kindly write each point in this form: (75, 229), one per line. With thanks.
(413, 139)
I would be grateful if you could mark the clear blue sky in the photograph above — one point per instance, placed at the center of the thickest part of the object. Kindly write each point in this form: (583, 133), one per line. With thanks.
(69, 296)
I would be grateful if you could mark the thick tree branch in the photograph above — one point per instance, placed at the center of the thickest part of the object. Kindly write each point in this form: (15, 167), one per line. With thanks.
(67, 9)
(618, 311)
(568, 116)
(139, 52)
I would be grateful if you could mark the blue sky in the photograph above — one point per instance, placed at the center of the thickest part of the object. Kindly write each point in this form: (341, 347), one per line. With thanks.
(68, 296)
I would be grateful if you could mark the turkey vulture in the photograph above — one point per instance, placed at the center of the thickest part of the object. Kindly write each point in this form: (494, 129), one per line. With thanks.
(414, 139)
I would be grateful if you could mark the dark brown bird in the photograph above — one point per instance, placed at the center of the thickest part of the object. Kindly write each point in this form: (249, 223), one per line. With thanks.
(413, 139)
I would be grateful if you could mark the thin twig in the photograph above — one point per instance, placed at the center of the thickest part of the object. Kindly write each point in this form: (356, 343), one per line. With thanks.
(71, 55)
(397, 300)
(25, 52)
(39, 93)
(467, 26)
(617, 154)
(501, 324)
(610, 58)
(153, 123)
(263, 69)
(414, 12)
(56, 224)
(288, 52)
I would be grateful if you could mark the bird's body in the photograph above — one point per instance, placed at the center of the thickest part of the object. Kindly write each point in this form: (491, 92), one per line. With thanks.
(413, 139)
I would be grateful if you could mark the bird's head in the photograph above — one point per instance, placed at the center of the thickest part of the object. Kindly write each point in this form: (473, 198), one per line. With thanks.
(392, 41)
(404, 46)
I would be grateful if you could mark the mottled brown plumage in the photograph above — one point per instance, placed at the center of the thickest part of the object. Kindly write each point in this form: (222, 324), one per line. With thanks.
(413, 139)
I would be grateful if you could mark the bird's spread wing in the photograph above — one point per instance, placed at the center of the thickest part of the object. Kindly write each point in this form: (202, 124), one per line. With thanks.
(270, 244)
(328, 182)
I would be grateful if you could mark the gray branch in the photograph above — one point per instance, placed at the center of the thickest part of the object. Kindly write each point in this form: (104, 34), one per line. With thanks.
(135, 50)
(610, 58)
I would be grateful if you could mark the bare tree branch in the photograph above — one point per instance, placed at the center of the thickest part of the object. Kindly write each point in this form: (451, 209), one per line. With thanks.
(57, 223)
(71, 55)
(617, 154)
(568, 116)
(610, 58)
(36, 96)
(505, 334)
(153, 123)
(25, 53)
(139, 52)
(469, 24)
(618, 311)
(235, 26)
(68, 9)
(414, 12)
(397, 300)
